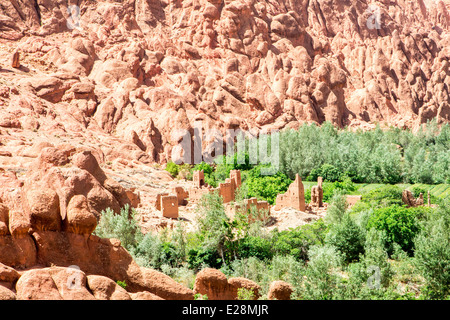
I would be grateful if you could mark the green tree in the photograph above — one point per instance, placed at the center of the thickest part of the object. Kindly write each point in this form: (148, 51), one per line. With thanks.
(400, 225)
(347, 237)
(432, 254)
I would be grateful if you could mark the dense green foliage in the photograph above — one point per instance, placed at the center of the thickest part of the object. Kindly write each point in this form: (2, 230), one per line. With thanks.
(376, 156)
(377, 249)
(399, 224)
(432, 252)
(265, 187)
(343, 257)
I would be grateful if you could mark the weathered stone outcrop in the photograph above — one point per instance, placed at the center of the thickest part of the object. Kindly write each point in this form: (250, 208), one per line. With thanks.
(216, 286)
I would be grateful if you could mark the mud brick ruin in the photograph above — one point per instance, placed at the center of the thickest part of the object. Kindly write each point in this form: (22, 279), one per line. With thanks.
(294, 196)
(410, 201)
(226, 189)
(262, 208)
(317, 194)
(181, 194)
(167, 204)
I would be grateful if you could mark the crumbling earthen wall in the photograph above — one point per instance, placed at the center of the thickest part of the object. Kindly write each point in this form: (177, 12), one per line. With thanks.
(198, 179)
(262, 208)
(317, 194)
(226, 189)
(169, 206)
(294, 196)
(182, 195)
(410, 201)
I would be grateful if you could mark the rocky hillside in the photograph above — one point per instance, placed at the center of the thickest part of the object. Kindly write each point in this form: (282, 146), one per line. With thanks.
(91, 93)
(124, 74)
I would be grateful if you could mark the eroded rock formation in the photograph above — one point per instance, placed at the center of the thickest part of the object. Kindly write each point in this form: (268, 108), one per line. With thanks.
(131, 73)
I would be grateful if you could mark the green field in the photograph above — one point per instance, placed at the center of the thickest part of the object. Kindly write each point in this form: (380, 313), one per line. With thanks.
(437, 190)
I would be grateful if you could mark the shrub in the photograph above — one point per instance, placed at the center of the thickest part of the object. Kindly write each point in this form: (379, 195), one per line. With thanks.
(375, 259)
(400, 225)
(384, 195)
(122, 284)
(245, 294)
(172, 168)
(432, 254)
(200, 258)
(121, 226)
(265, 187)
(254, 247)
(347, 237)
(214, 226)
(251, 268)
(344, 187)
(336, 208)
(296, 242)
(327, 171)
(321, 280)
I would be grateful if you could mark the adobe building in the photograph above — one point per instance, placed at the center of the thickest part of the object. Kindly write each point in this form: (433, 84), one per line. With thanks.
(317, 194)
(182, 195)
(158, 200)
(410, 201)
(199, 179)
(294, 196)
(236, 176)
(226, 189)
(167, 204)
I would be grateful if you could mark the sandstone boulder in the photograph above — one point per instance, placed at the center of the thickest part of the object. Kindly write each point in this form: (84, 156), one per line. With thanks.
(17, 252)
(4, 218)
(237, 283)
(55, 283)
(215, 285)
(280, 290)
(43, 206)
(104, 288)
(8, 274)
(6, 294)
(37, 284)
(145, 295)
(79, 218)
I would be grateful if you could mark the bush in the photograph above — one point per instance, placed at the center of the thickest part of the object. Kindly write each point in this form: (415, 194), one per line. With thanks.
(245, 294)
(121, 226)
(200, 258)
(172, 168)
(336, 208)
(384, 196)
(215, 230)
(432, 254)
(296, 242)
(400, 225)
(344, 187)
(375, 260)
(327, 171)
(255, 247)
(321, 280)
(265, 187)
(348, 238)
